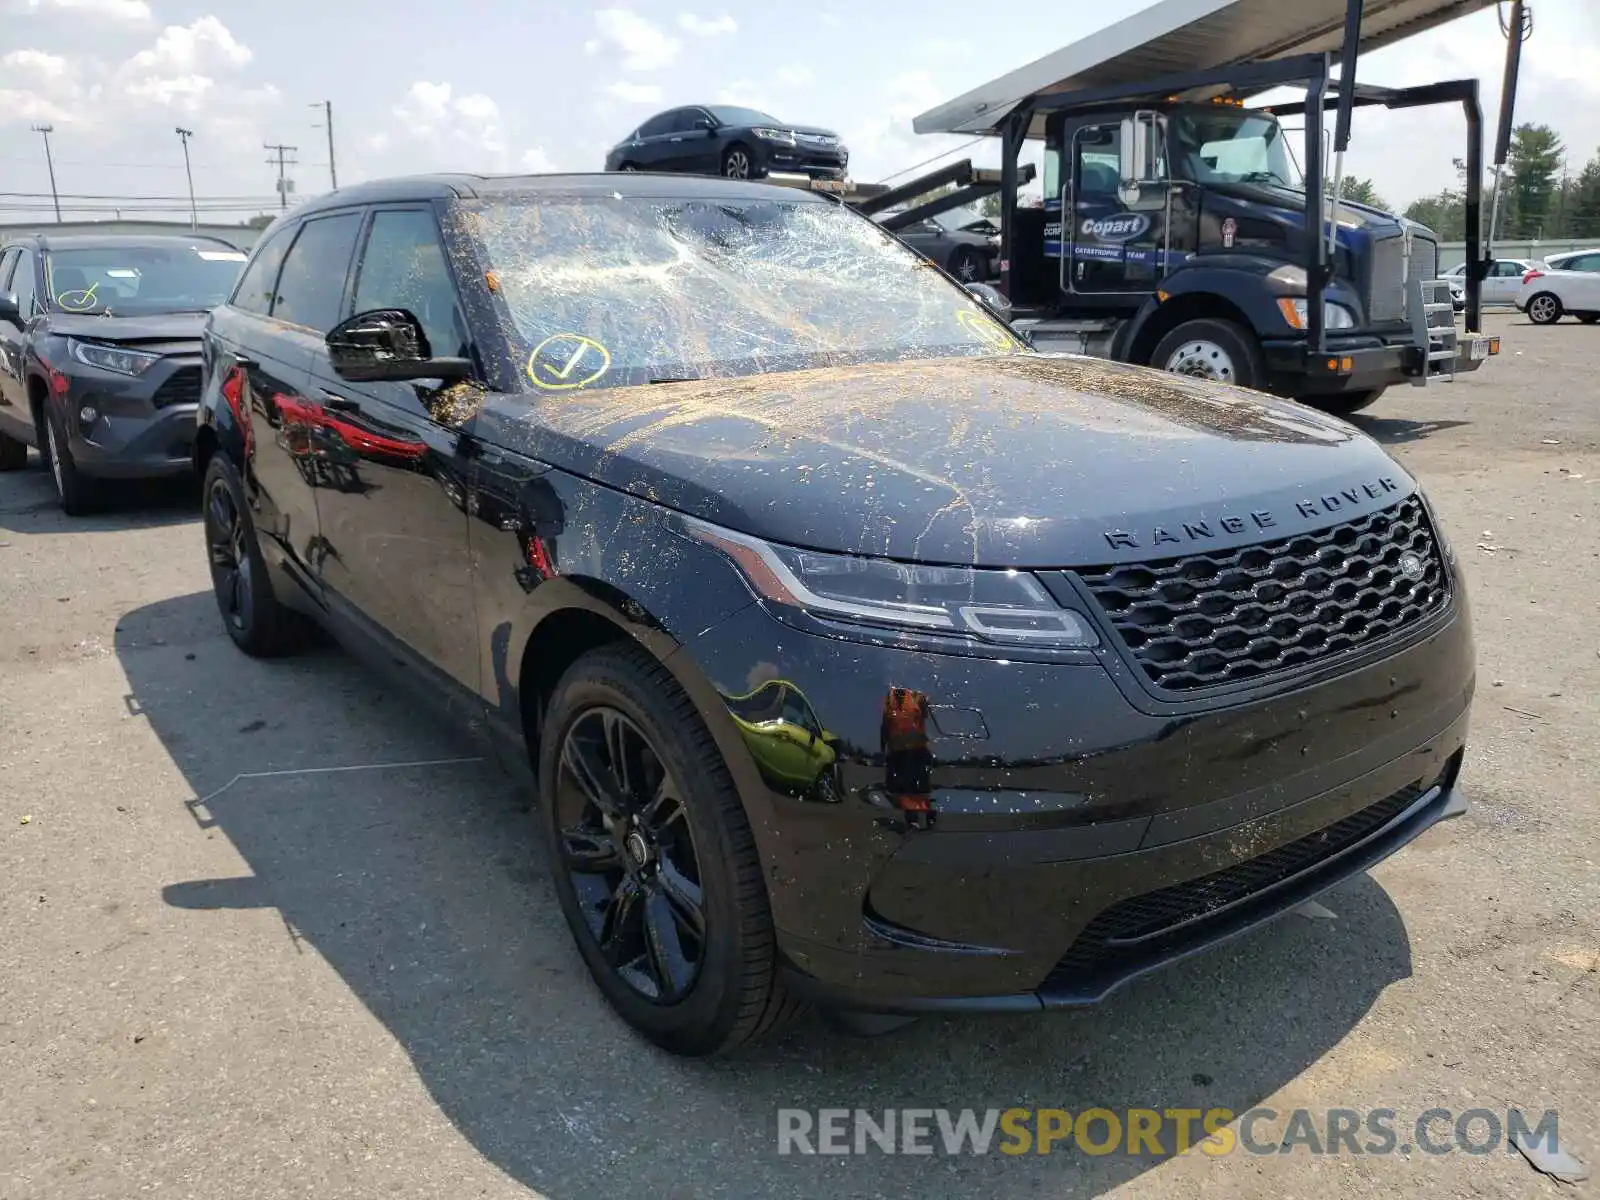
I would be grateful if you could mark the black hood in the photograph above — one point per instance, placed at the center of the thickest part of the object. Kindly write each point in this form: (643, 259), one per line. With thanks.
(155, 327)
(1025, 461)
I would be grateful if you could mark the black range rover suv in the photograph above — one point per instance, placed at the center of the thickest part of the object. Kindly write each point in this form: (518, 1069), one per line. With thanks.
(100, 353)
(861, 654)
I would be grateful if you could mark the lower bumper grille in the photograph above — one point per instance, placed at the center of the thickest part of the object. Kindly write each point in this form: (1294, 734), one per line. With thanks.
(1122, 935)
(181, 387)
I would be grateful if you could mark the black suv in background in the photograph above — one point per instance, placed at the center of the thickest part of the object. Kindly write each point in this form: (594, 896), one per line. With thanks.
(861, 654)
(723, 139)
(100, 353)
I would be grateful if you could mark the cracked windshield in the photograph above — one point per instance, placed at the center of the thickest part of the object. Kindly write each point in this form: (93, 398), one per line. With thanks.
(664, 290)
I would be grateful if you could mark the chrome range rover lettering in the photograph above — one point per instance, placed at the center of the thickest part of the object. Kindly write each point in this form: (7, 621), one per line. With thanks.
(1344, 501)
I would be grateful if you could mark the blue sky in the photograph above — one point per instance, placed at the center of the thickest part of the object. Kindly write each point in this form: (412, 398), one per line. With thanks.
(506, 85)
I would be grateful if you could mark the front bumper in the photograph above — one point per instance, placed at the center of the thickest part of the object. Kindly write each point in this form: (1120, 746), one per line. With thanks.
(806, 160)
(144, 426)
(1074, 832)
(1362, 362)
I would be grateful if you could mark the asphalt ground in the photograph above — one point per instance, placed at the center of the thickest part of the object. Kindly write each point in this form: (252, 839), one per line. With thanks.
(219, 978)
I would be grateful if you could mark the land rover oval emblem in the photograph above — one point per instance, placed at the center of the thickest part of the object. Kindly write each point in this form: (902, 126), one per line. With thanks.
(1411, 566)
(1123, 227)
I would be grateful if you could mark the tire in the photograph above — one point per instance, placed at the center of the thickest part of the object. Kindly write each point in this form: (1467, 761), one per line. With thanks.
(967, 265)
(1214, 349)
(628, 166)
(252, 616)
(78, 493)
(739, 163)
(1588, 318)
(13, 453)
(1346, 404)
(1544, 308)
(653, 859)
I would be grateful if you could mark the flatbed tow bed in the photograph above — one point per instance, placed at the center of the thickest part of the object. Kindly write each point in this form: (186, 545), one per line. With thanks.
(1174, 231)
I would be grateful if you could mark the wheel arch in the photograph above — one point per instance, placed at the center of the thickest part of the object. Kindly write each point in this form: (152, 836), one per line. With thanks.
(585, 613)
(1163, 318)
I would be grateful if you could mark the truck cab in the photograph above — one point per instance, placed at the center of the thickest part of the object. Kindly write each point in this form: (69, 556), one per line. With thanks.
(1156, 218)
(1185, 229)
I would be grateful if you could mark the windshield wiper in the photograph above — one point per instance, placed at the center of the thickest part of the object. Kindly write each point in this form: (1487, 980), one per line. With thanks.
(675, 379)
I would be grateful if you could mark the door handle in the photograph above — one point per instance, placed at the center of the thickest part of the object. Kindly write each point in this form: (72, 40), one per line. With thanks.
(337, 403)
(676, 139)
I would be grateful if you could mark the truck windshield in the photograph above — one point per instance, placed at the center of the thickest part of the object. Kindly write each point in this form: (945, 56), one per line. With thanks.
(685, 288)
(1232, 146)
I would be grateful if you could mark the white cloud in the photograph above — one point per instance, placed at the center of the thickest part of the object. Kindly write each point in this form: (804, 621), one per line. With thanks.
(177, 91)
(203, 43)
(466, 130)
(534, 159)
(118, 10)
(795, 77)
(644, 47)
(23, 106)
(743, 92)
(707, 26)
(634, 93)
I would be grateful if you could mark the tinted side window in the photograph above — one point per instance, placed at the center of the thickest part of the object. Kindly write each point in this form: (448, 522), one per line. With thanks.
(658, 125)
(1507, 269)
(7, 258)
(22, 283)
(403, 266)
(1584, 262)
(683, 121)
(254, 293)
(311, 287)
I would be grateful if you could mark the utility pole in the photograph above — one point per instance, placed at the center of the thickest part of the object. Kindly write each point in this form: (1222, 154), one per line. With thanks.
(45, 131)
(194, 215)
(285, 184)
(327, 108)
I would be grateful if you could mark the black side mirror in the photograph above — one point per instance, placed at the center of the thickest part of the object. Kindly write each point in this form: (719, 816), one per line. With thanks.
(706, 124)
(388, 344)
(10, 310)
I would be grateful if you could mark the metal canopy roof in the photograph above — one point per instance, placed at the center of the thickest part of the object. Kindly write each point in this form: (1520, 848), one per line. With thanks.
(1181, 36)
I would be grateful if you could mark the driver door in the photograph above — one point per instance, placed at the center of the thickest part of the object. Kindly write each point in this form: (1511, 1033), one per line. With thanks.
(1115, 234)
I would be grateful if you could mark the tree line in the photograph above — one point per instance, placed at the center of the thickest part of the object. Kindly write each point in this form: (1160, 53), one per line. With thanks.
(1540, 196)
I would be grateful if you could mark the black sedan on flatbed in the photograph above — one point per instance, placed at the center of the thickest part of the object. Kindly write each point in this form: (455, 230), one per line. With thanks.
(861, 655)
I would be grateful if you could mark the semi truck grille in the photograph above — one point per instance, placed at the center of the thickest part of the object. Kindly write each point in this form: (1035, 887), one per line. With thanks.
(1116, 932)
(181, 387)
(1227, 616)
(1388, 286)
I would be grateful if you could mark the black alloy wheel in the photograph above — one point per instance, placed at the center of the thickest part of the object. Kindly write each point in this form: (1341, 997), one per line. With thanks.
(629, 850)
(655, 862)
(253, 617)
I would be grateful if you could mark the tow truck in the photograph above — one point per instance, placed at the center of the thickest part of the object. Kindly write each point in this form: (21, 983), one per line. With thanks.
(1177, 228)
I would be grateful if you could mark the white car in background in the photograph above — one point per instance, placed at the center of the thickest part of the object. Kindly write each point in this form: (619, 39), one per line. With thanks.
(1501, 285)
(1564, 283)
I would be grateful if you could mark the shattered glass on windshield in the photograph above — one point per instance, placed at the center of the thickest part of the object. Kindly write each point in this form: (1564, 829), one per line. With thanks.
(617, 291)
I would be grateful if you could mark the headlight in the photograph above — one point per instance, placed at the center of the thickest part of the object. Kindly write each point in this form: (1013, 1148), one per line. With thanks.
(999, 606)
(117, 359)
(776, 135)
(1334, 316)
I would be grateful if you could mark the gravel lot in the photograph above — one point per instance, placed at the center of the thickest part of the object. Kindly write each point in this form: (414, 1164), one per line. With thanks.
(219, 981)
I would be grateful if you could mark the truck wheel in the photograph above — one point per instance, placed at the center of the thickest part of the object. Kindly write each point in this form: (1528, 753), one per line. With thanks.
(13, 453)
(1350, 402)
(1211, 349)
(1544, 309)
(654, 862)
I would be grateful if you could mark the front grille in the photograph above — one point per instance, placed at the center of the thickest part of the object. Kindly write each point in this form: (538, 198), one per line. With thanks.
(1232, 615)
(1386, 291)
(1112, 937)
(1389, 286)
(181, 387)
